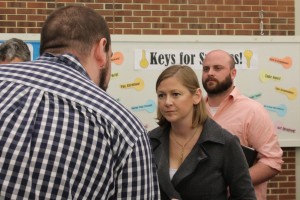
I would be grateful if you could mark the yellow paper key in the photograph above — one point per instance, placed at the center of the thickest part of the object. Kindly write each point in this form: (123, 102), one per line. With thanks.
(248, 55)
(138, 84)
(291, 93)
(266, 76)
(144, 62)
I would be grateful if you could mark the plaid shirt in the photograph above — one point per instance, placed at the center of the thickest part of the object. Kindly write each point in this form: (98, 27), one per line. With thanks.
(62, 137)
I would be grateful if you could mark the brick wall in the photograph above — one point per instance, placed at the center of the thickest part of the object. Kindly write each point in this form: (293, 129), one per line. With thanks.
(283, 186)
(161, 17)
(176, 17)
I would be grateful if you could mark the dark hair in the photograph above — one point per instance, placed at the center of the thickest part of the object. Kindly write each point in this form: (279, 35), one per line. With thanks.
(188, 78)
(14, 48)
(73, 28)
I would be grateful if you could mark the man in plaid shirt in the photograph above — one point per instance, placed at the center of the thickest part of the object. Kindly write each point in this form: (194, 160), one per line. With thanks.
(61, 135)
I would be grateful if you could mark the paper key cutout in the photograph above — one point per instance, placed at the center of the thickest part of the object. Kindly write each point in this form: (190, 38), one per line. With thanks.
(138, 84)
(248, 55)
(281, 110)
(266, 76)
(144, 62)
(117, 58)
(255, 96)
(285, 129)
(149, 106)
(291, 93)
(286, 62)
(114, 75)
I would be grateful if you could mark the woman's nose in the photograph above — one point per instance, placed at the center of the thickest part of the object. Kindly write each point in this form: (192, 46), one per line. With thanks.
(168, 100)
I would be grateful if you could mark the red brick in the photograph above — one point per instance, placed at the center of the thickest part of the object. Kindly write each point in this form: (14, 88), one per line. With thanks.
(179, 26)
(132, 19)
(160, 25)
(142, 13)
(188, 7)
(36, 5)
(243, 32)
(170, 7)
(225, 32)
(151, 19)
(8, 11)
(233, 26)
(160, 13)
(188, 32)
(116, 1)
(287, 185)
(178, 1)
(132, 31)
(8, 24)
(132, 6)
(142, 25)
(33, 30)
(150, 32)
(173, 20)
(16, 30)
(197, 2)
(170, 32)
(160, 1)
(225, 20)
(207, 32)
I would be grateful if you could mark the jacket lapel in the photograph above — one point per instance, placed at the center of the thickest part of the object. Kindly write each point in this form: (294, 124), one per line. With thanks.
(198, 153)
(160, 145)
(190, 164)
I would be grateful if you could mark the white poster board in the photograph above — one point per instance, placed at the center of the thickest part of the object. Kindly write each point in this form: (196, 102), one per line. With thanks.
(268, 70)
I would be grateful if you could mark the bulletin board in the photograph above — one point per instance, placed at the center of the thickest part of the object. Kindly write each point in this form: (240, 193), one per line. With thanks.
(268, 70)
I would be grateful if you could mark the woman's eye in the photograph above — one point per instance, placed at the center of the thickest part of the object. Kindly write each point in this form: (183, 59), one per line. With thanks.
(160, 96)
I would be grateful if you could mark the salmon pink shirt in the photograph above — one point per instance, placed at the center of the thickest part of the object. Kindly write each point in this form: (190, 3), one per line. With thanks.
(249, 120)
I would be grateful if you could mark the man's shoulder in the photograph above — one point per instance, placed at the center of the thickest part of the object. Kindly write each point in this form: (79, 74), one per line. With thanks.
(71, 85)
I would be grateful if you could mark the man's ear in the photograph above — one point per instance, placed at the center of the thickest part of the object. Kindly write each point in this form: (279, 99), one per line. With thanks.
(197, 96)
(100, 53)
(233, 73)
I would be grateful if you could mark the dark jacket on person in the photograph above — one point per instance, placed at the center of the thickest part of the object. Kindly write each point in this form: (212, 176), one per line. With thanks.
(215, 167)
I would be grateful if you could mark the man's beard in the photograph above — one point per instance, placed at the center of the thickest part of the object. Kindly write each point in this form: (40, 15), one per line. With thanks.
(102, 82)
(219, 88)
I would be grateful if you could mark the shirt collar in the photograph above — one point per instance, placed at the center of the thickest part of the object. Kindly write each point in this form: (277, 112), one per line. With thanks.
(68, 59)
(233, 94)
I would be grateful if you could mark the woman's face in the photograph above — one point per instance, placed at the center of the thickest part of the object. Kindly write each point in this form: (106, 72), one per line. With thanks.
(175, 101)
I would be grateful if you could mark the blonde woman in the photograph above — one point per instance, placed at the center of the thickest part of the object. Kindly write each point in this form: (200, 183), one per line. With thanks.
(195, 157)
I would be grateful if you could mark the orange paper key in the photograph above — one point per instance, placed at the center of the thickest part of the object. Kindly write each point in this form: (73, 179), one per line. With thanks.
(117, 58)
(285, 62)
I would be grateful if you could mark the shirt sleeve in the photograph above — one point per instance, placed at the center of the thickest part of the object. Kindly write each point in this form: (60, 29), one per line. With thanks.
(262, 137)
(138, 178)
